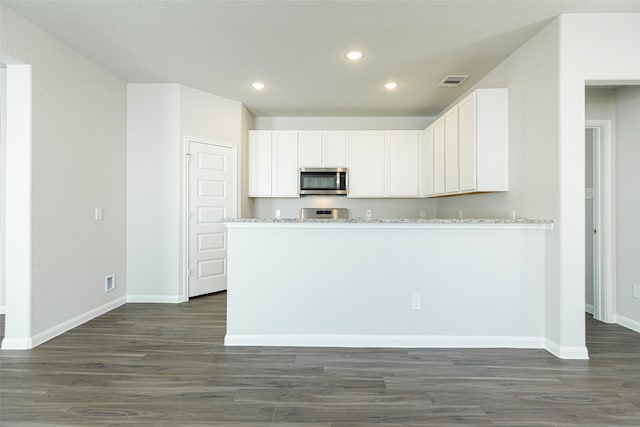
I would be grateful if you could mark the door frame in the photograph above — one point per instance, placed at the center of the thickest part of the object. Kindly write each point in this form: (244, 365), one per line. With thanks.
(604, 244)
(184, 212)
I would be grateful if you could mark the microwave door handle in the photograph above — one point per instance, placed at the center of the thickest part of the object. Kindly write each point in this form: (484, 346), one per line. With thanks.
(338, 179)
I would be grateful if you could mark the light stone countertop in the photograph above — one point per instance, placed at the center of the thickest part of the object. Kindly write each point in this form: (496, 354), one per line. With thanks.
(416, 221)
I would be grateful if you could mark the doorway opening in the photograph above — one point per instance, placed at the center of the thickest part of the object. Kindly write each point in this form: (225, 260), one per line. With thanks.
(599, 221)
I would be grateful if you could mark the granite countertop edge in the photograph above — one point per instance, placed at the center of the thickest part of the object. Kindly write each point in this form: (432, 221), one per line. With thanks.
(388, 221)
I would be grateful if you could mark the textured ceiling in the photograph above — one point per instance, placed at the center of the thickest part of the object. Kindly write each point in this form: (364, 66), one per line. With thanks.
(297, 47)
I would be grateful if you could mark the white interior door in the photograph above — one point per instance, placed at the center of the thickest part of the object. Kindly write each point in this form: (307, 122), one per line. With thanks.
(212, 197)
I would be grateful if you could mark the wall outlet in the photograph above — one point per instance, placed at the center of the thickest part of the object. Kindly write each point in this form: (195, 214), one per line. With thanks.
(423, 213)
(368, 213)
(277, 213)
(416, 302)
(636, 291)
(99, 214)
(110, 283)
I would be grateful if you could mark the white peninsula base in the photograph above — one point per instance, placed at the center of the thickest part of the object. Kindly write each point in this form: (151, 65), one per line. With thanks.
(386, 283)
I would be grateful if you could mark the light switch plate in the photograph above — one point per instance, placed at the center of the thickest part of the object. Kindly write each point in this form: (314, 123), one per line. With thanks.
(99, 214)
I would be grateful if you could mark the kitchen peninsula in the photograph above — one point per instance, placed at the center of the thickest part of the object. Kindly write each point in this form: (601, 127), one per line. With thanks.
(386, 283)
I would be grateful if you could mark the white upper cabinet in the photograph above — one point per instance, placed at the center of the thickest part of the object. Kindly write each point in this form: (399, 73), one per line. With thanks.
(426, 165)
(310, 149)
(401, 164)
(259, 163)
(273, 164)
(484, 141)
(470, 146)
(285, 164)
(322, 149)
(366, 163)
(467, 143)
(451, 180)
(438, 157)
(334, 149)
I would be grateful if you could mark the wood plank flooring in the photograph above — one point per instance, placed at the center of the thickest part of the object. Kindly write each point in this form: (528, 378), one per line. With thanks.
(165, 365)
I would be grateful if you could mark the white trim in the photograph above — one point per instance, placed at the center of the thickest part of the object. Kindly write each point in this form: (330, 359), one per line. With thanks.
(634, 325)
(566, 352)
(604, 221)
(161, 299)
(18, 203)
(3, 309)
(388, 341)
(28, 343)
(588, 308)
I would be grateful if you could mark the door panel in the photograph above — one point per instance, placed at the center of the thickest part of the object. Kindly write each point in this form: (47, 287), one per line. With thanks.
(212, 174)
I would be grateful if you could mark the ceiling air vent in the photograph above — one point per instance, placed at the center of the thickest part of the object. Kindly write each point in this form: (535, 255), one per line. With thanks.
(452, 81)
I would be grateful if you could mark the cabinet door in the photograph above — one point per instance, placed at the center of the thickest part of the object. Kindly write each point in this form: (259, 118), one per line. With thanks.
(285, 164)
(259, 163)
(366, 164)
(401, 161)
(438, 157)
(451, 181)
(467, 144)
(334, 149)
(310, 149)
(427, 162)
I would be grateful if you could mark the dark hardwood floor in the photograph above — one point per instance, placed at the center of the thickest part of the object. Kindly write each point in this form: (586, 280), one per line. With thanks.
(165, 365)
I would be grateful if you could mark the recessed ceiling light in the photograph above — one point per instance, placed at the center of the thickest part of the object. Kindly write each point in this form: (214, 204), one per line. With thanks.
(258, 85)
(391, 85)
(354, 55)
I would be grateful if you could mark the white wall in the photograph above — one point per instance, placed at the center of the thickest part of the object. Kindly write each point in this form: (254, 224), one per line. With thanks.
(153, 191)
(342, 123)
(160, 116)
(265, 207)
(77, 165)
(3, 128)
(361, 294)
(628, 205)
(588, 54)
(600, 103)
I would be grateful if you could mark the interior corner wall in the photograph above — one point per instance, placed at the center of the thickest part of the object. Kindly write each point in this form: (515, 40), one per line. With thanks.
(153, 192)
(77, 165)
(530, 74)
(627, 205)
(213, 118)
(159, 117)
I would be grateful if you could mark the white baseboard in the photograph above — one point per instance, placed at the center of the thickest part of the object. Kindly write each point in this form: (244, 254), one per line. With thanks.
(634, 325)
(566, 352)
(17, 343)
(377, 341)
(3, 309)
(161, 299)
(588, 308)
(31, 342)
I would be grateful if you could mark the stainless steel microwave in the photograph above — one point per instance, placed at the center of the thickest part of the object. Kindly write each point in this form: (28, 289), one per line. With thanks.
(331, 181)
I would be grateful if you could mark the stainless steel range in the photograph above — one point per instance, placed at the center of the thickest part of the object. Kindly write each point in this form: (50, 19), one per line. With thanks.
(324, 213)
